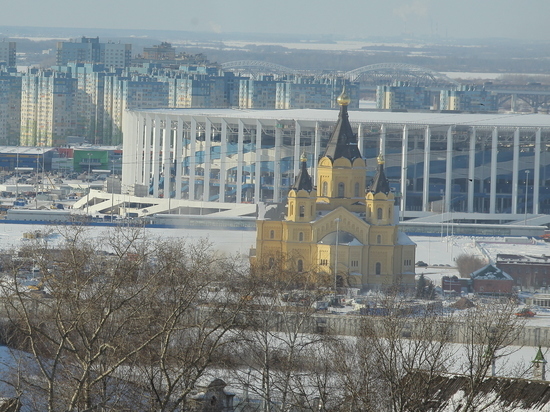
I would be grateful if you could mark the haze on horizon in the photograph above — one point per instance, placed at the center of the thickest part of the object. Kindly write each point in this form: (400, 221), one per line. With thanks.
(331, 18)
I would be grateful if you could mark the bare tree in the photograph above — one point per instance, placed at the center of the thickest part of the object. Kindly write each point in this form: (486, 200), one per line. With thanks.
(277, 339)
(467, 264)
(121, 322)
(488, 332)
(195, 312)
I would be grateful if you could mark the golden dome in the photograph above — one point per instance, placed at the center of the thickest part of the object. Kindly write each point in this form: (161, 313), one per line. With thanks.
(380, 160)
(303, 158)
(343, 99)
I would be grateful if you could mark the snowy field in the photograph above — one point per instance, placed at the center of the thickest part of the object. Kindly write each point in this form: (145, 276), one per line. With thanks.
(231, 242)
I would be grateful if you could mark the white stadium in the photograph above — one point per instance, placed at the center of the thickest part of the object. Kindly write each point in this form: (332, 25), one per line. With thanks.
(443, 166)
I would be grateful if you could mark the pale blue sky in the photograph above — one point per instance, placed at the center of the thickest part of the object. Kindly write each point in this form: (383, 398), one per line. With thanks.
(446, 18)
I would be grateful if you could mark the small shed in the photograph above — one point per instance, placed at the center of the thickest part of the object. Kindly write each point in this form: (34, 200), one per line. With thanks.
(214, 398)
(490, 279)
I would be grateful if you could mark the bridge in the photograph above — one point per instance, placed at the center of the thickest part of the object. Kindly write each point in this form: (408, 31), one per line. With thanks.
(533, 95)
(388, 73)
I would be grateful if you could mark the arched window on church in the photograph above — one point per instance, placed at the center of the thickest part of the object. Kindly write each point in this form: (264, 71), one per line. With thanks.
(291, 212)
(302, 211)
(272, 234)
(379, 213)
(356, 190)
(300, 265)
(341, 188)
(379, 239)
(325, 189)
(378, 268)
(301, 236)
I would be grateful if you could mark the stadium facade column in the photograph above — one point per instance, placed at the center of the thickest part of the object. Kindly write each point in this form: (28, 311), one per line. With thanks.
(138, 146)
(536, 172)
(240, 162)
(277, 165)
(404, 163)
(166, 156)
(382, 150)
(207, 158)
(449, 171)
(360, 142)
(316, 151)
(146, 150)
(258, 163)
(426, 177)
(192, 159)
(494, 162)
(134, 124)
(471, 170)
(178, 156)
(515, 171)
(297, 154)
(156, 156)
(223, 157)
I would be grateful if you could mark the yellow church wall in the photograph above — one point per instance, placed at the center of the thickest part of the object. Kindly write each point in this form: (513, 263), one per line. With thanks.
(295, 252)
(291, 232)
(348, 222)
(340, 195)
(388, 235)
(382, 255)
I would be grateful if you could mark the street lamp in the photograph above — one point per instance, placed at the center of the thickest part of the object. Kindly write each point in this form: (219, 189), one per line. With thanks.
(526, 189)
(337, 220)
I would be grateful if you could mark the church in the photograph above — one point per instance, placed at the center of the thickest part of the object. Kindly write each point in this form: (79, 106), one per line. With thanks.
(336, 226)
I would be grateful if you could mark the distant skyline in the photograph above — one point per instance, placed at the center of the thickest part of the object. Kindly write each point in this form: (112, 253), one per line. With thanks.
(345, 18)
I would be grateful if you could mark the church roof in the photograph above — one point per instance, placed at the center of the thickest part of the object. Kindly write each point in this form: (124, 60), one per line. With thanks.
(342, 142)
(445, 392)
(380, 183)
(303, 180)
(539, 357)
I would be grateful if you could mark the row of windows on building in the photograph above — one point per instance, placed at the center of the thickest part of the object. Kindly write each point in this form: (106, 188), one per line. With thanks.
(324, 262)
(301, 237)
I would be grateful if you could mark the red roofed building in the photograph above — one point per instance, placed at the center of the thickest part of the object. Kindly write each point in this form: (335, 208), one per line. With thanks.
(490, 279)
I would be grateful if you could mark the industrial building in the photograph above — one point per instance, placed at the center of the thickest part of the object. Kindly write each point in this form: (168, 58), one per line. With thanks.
(466, 167)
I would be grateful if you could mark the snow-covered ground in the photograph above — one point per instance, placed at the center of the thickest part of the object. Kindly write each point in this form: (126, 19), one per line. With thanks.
(439, 252)
(228, 241)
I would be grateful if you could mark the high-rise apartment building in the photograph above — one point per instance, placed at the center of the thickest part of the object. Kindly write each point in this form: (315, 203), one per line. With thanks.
(401, 96)
(468, 98)
(311, 93)
(10, 108)
(90, 50)
(89, 98)
(202, 91)
(7, 53)
(257, 94)
(48, 109)
(163, 51)
(126, 93)
(296, 93)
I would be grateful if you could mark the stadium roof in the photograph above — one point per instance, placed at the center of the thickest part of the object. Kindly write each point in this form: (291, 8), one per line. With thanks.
(361, 116)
